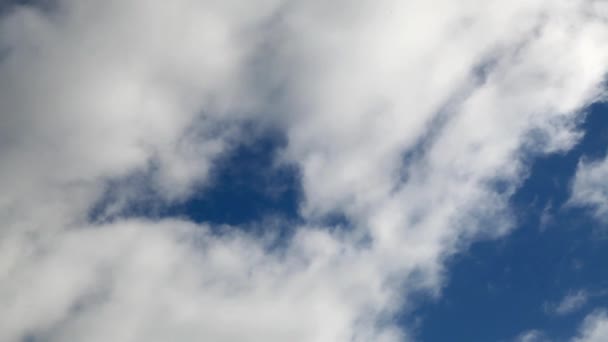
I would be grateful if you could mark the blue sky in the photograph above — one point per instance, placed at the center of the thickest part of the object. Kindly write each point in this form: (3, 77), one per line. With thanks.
(303, 170)
(500, 288)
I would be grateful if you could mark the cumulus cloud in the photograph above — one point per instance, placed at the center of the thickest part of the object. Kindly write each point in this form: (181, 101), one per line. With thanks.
(594, 328)
(410, 118)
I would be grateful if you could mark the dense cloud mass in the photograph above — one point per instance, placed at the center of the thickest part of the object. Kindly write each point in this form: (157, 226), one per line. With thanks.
(411, 119)
(594, 329)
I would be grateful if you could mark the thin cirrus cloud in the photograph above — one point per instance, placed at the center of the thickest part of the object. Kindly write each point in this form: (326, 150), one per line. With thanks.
(97, 91)
(531, 336)
(589, 187)
(570, 303)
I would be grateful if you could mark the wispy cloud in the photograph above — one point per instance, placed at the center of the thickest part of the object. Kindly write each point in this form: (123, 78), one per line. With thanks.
(589, 188)
(571, 302)
(594, 328)
(532, 336)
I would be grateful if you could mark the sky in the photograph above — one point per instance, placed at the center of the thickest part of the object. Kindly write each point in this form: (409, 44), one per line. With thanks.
(273, 170)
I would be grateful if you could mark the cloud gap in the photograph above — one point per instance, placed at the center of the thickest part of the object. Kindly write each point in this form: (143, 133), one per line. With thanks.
(247, 184)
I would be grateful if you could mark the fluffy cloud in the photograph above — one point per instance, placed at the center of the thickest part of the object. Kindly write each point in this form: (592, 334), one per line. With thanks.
(594, 329)
(410, 118)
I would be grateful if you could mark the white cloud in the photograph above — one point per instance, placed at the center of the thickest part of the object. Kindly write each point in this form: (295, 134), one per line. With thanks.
(572, 302)
(92, 91)
(532, 336)
(594, 329)
(589, 187)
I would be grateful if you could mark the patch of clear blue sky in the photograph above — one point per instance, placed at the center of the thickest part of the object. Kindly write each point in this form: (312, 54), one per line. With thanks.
(498, 289)
(245, 186)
